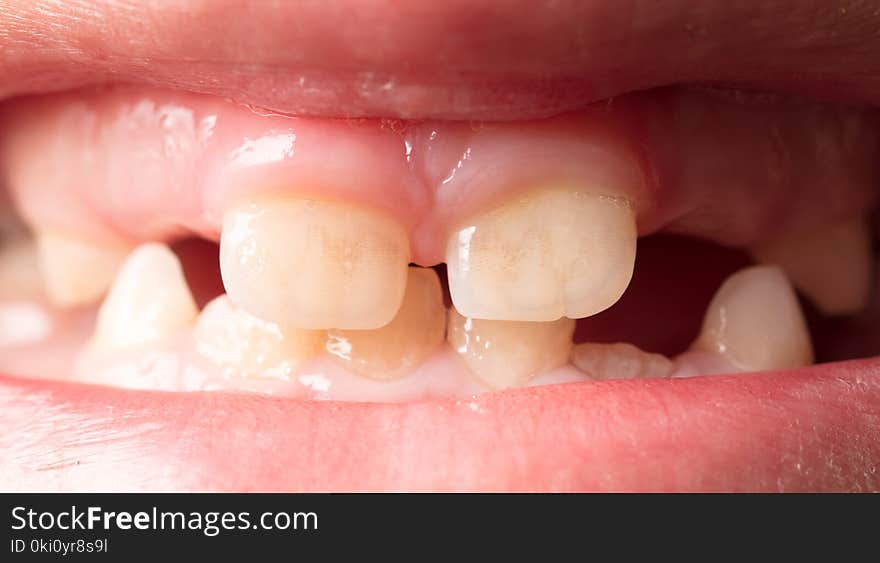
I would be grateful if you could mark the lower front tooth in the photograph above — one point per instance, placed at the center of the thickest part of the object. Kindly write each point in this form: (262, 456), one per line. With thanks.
(542, 256)
(246, 346)
(148, 301)
(618, 361)
(831, 266)
(391, 351)
(509, 353)
(755, 322)
(314, 264)
(77, 272)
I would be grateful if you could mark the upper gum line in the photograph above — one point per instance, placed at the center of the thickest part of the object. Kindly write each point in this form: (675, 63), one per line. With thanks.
(197, 156)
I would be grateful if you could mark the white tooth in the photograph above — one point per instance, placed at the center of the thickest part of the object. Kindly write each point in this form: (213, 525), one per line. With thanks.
(755, 322)
(618, 361)
(314, 264)
(542, 256)
(148, 301)
(246, 346)
(77, 272)
(831, 266)
(509, 353)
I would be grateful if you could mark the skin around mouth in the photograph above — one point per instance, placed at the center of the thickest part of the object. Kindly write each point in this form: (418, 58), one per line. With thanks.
(498, 361)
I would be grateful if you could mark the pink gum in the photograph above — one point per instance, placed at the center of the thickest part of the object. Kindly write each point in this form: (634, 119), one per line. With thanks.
(154, 165)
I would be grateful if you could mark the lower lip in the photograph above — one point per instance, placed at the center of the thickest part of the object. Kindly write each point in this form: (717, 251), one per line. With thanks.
(813, 429)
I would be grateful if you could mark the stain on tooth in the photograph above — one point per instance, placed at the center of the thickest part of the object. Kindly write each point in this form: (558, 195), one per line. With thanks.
(831, 266)
(148, 301)
(506, 354)
(755, 322)
(77, 272)
(243, 345)
(542, 256)
(619, 360)
(395, 349)
(314, 264)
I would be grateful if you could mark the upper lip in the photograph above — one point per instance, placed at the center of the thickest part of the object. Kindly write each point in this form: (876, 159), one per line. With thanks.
(456, 59)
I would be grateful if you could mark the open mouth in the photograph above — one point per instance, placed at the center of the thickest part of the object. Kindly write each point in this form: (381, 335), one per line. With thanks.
(228, 265)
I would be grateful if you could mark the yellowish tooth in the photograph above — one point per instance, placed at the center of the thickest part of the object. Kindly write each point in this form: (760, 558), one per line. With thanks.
(755, 322)
(314, 264)
(831, 266)
(620, 360)
(543, 255)
(77, 272)
(20, 275)
(509, 353)
(246, 346)
(393, 350)
(148, 301)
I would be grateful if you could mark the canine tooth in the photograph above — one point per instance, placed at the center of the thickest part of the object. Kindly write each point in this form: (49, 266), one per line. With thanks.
(509, 353)
(620, 360)
(314, 264)
(75, 271)
(755, 322)
(149, 300)
(247, 346)
(542, 256)
(394, 349)
(831, 266)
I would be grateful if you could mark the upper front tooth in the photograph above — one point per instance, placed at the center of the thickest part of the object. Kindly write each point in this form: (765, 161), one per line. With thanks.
(75, 271)
(244, 345)
(314, 264)
(755, 322)
(831, 266)
(394, 349)
(509, 353)
(148, 301)
(542, 256)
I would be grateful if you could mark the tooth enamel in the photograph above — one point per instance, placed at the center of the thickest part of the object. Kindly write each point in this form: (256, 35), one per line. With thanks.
(77, 272)
(509, 353)
(314, 264)
(756, 323)
(246, 346)
(831, 266)
(618, 361)
(396, 348)
(543, 256)
(149, 300)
